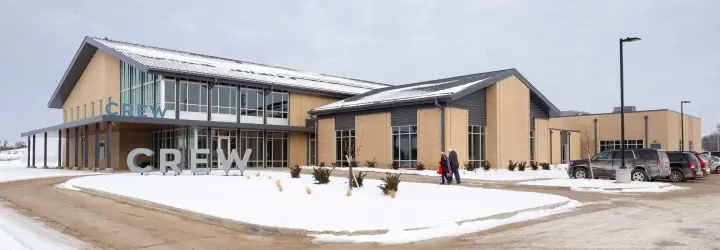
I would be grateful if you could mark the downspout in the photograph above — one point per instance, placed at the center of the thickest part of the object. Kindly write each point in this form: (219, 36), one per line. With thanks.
(442, 125)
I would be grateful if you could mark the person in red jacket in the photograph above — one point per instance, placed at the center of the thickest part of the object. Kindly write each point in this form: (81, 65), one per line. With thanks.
(446, 171)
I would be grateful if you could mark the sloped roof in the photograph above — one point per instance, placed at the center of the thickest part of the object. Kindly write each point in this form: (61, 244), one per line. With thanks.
(149, 58)
(446, 89)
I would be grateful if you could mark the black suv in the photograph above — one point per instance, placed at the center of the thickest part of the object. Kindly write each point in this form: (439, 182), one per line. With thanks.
(646, 164)
(684, 166)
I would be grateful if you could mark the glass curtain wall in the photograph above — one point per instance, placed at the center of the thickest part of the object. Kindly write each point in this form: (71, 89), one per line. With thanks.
(224, 100)
(136, 86)
(277, 104)
(252, 139)
(193, 96)
(344, 145)
(276, 149)
(476, 144)
(405, 146)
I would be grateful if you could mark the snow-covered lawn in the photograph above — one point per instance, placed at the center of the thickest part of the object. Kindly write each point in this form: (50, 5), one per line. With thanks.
(556, 172)
(606, 186)
(255, 199)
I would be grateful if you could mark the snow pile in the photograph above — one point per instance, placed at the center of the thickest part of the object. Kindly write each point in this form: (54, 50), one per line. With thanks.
(15, 170)
(447, 230)
(557, 171)
(19, 233)
(13, 154)
(606, 186)
(255, 199)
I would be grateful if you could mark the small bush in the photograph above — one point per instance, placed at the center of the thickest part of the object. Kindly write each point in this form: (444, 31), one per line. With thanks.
(295, 171)
(371, 164)
(487, 165)
(534, 165)
(545, 166)
(336, 164)
(420, 166)
(512, 165)
(471, 166)
(322, 164)
(353, 163)
(390, 183)
(522, 166)
(359, 176)
(395, 165)
(322, 175)
(392, 193)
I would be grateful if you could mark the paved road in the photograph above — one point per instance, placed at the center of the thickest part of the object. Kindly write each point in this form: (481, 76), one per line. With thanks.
(682, 219)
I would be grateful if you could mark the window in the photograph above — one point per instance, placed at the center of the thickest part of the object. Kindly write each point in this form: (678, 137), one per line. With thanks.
(676, 157)
(276, 153)
(124, 83)
(101, 150)
(193, 96)
(224, 100)
(277, 104)
(136, 86)
(252, 139)
(148, 89)
(77, 113)
(84, 110)
(311, 150)
(92, 109)
(251, 102)
(71, 115)
(532, 145)
(629, 144)
(690, 145)
(617, 155)
(169, 92)
(405, 145)
(604, 155)
(344, 145)
(101, 107)
(648, 154)
(476, 144)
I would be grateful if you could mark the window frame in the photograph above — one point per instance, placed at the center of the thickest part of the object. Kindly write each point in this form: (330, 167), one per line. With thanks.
(398, 132)
(476, 132)
(231, 92)
(346, 137)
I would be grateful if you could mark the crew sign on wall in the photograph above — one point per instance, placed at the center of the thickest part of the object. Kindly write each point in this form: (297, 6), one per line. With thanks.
(224, 162)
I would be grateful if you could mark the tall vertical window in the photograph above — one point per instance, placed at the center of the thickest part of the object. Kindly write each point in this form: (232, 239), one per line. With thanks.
(344, 145)
(77, 113)
(92, 109)
(124, 83)
(148, 90)
(476, 144)
(311, 150)
(71, 117)
(193, 96)
(135, 85)
(169, 92)
(224, 100)
(690, 145)
(252, 139)
(101, 107)
(277, 104)
(276, 149)
(405, 145)
(84, 111)
(251, 102)
(532, 145)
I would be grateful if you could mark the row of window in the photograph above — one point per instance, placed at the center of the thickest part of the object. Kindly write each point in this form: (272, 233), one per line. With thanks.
(74, 113)
(615, 144)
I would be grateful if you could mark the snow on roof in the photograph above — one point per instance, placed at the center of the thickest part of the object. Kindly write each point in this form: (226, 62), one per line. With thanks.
(172, 60)
(404, 93)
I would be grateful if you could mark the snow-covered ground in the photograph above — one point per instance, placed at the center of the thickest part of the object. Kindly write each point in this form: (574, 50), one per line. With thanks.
(557, 171)
(19, 232)
(13, 154)
(605, 186)
(254, 198)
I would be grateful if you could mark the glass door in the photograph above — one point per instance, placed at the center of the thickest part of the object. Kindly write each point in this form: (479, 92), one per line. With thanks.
(224, 145)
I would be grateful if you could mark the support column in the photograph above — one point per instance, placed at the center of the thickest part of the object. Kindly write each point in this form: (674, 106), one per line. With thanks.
(77, 141)
(208, 139)
(97, 147)
(29, 155)
(45, 150)
(33, 151)
(67, 148)
(85, 147)
(108, 147)
(60, 158)
(177, 98)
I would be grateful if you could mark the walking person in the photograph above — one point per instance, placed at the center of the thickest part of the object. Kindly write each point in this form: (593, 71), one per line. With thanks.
(445, 169)
(454, 165)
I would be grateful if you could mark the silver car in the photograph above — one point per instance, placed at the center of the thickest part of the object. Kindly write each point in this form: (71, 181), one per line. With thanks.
(715, 164)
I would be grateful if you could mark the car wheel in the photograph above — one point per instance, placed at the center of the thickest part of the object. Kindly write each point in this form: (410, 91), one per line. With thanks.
(677, 176)
(717, 171)
(580, 173)
(638, 175)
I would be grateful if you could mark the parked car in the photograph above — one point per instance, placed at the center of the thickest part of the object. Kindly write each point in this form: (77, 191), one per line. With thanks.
(713, 153)
(682, 165)
(704, 162)
(646, 164)
(715, 164)
(698, 170)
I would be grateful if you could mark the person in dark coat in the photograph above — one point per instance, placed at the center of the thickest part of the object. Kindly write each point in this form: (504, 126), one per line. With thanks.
(446, 172)
(454, 165)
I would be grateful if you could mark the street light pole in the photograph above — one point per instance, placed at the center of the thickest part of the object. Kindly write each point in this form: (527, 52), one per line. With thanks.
(623, 168)
(682, 126)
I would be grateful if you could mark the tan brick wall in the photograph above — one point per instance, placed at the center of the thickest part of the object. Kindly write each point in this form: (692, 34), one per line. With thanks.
(326, 140)
(513, 121)
(300, 104)
(575, 147)
(117, 159)
(492, 143)
(373, 139)
(555, 146)
(429, 133)
(298, 147)
(542, 141)
(456, 132)
(128, 142)
(100, 80)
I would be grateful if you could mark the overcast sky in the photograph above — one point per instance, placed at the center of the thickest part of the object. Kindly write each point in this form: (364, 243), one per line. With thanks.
(567, 49)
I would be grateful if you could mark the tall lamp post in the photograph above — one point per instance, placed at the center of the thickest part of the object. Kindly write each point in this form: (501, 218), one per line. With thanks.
(682, 126)
(622, 175)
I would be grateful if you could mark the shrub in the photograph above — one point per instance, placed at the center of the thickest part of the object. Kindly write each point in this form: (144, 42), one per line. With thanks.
(322, 164)
(420, 166)
(487, 165)
(522, 166)
(545, 166)
(471, 166)
(512, 165)
(353, 163)
(395, 165)
(371, 164)
(359, 176)
(534, 165)
(336, 164)
(321, 175)
(390, 183)
(295, 171)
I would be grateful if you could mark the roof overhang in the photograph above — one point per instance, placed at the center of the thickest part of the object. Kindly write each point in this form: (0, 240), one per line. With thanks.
(442, 99)
(163, 121)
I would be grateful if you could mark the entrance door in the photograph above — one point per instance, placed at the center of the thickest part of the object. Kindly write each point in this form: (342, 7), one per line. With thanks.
(224, 144)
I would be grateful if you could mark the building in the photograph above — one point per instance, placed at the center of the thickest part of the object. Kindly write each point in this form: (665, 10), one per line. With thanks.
(117, 96)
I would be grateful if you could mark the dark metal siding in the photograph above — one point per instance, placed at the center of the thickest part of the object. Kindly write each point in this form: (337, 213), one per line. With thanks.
(475, 103)
(536, 112)
(345, 121)
(403, 116)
